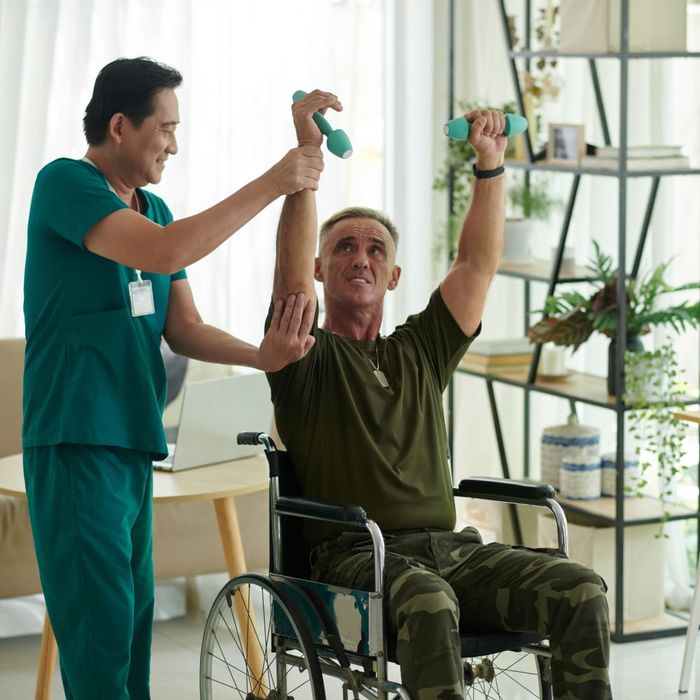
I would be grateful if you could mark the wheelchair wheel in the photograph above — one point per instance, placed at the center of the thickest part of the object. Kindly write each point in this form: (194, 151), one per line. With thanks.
(256, 646)
(510, 675)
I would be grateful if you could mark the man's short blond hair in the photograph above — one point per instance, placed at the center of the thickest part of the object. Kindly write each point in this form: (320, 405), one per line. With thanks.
(359, 213)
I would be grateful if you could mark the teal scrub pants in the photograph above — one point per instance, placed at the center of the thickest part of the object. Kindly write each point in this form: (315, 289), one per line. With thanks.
(91, 510)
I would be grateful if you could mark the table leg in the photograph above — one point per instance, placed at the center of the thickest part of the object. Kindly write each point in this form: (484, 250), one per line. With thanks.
(235, 563)
(48, 654)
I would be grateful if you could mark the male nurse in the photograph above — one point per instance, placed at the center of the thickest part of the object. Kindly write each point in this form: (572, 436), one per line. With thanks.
(104, 282)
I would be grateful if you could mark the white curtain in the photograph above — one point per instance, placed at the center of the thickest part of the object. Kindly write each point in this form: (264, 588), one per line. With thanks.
(241, 62)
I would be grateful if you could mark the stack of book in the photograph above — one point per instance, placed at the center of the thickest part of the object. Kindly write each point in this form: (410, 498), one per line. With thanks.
(638, 158)
(498, 355)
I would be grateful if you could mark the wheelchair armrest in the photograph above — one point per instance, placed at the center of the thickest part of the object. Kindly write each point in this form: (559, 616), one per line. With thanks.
(523, 492)
(504, 490)
(336, 512)
(321, 510)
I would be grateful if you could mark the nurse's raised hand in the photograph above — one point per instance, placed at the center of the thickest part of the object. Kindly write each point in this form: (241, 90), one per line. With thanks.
(288, 338)
(299, 169)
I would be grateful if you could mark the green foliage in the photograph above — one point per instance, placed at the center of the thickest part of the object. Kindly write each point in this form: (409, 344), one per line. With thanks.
(653, 386)
(533, 199)
(570, 317)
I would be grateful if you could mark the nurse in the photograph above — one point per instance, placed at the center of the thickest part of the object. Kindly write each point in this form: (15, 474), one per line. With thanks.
(104, 282)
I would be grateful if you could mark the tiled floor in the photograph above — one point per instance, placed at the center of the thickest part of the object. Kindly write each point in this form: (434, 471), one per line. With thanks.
(640, 671)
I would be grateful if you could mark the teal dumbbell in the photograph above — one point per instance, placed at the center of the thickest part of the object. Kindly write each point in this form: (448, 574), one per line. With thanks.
(459, 128)
(336, 139)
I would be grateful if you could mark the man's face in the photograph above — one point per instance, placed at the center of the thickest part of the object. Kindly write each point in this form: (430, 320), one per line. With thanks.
(149, 146)
(356, 263)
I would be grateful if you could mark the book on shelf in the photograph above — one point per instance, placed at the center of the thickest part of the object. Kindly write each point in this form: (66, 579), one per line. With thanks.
(498, 360)
(495, 363)
(636, 164)
(501, 346)
(517, 359)
(639, 151)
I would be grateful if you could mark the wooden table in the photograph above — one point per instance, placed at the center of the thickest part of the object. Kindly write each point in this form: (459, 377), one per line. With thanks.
(219, 483)
(692, 633)
(692, 416)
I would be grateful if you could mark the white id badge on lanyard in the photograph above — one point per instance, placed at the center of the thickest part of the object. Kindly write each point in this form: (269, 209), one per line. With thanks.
(141, 293)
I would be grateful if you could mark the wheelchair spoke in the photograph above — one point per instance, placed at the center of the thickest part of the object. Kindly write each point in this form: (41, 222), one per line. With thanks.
(500, 677)
(517, 661)
(301, 685)
(228, 666)
(245, 635)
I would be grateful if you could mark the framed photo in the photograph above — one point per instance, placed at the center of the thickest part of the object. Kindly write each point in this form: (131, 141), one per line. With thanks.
(566, 144)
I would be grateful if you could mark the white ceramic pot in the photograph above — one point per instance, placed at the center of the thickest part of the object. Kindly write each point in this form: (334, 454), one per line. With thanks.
(580, 476)
(608, 461)
(517, 237)
(580, 443)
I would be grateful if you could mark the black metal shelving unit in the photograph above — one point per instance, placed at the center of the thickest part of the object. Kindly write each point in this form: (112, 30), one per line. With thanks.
(581, 388)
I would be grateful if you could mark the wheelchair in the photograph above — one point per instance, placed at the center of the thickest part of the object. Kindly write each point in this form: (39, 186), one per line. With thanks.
(277, 636)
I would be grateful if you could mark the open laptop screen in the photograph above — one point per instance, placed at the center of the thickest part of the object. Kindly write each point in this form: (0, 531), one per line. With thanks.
(213, 412)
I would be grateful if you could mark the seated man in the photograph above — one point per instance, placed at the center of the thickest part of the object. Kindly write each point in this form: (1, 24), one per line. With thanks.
(372, 432)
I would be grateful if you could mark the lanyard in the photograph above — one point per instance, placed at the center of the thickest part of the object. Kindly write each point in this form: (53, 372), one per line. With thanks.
(140, 291)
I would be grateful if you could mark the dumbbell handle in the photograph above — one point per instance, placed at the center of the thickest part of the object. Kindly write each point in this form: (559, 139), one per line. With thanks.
(321, 121)
(459, 128)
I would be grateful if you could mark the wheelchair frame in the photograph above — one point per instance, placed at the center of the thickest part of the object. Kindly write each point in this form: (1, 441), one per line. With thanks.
(336, 650)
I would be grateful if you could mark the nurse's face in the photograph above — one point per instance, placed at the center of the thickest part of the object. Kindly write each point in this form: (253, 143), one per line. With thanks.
(147, 147)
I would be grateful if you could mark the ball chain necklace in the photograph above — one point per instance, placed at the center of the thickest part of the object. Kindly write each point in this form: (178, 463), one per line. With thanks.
(381, 377)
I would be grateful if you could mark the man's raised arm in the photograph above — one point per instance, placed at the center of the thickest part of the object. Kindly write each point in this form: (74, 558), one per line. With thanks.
(481, 239)
(297, 230)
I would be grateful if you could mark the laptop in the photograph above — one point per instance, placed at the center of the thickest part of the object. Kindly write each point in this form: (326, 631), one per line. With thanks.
(212, 414)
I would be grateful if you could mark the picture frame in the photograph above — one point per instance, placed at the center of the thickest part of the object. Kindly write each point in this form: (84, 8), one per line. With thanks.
(565, 145)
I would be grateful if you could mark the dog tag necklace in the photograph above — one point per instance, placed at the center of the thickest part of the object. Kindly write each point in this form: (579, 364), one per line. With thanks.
(381, 377)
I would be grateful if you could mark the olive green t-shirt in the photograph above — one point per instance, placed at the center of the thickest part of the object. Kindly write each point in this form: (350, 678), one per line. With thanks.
(352, 440)
(93, 372)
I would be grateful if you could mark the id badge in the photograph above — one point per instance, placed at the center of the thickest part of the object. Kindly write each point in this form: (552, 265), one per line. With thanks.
(141, 294)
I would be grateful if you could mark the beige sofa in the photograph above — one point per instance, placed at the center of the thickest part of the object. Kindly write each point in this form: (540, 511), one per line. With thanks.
(185, 535)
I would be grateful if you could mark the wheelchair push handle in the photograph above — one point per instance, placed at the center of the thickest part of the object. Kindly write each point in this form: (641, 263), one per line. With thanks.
(256, 439)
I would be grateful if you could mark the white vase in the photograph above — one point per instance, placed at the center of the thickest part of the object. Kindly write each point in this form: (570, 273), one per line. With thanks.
(579, 443)
(516, 240)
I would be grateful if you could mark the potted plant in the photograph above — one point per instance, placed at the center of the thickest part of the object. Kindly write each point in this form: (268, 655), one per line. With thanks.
(529, 200)
(570, 317)
(541, 81)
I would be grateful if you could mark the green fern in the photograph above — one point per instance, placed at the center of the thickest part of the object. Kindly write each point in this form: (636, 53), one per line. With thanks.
(570, 318)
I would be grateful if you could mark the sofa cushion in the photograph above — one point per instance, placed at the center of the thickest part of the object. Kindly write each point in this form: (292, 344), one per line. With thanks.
(11, 368)
(186, 541)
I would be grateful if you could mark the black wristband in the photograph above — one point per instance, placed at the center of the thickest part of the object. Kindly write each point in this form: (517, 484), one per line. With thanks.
(484, 174)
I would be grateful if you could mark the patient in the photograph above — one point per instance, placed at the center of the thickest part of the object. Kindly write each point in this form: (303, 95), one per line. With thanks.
(372, 432)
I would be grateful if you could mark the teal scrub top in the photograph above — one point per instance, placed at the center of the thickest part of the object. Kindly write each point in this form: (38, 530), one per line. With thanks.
(93, 373)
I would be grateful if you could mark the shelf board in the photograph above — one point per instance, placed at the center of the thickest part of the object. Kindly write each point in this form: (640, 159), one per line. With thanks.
(573, 170)
(576, 386)
(638, 511)
(691, 416)
(668, 624)
(540, 270)
(610, 54)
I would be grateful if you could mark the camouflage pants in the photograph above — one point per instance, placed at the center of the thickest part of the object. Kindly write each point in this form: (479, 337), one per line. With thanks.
(434, 579)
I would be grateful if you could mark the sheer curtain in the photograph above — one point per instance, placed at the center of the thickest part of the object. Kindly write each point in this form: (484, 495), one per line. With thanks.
(241, 62)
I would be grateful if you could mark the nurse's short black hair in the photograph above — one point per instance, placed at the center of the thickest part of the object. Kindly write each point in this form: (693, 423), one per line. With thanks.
(127, 85)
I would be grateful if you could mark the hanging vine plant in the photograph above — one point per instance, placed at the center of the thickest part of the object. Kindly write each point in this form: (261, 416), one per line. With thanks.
(653, 391)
